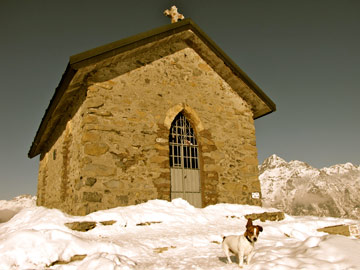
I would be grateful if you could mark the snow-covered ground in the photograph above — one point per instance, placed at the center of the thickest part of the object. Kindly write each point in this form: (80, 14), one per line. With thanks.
(170, 235)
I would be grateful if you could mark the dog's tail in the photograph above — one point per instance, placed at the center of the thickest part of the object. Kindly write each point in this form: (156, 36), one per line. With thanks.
(223, 237)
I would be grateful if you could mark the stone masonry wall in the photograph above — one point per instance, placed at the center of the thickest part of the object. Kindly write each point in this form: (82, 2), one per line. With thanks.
(59, 167)
(125, 135)
(115, 151)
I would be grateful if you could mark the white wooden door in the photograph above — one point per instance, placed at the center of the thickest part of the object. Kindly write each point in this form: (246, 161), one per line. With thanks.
(184, 162)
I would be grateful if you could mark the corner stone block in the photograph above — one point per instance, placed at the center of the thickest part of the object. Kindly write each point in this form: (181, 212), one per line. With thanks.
(90, 137)
(95, 149)
(90, 119)
(94, 102)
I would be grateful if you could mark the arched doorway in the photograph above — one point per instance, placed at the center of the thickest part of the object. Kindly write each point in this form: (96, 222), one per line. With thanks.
(184, 162)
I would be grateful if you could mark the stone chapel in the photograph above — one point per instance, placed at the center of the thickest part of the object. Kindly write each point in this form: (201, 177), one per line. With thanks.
(161, 115)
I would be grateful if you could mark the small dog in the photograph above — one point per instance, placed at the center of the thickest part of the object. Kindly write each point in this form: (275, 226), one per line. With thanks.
(242, 245)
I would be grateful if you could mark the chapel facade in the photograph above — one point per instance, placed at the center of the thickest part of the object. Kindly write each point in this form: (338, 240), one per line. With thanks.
(165, 114)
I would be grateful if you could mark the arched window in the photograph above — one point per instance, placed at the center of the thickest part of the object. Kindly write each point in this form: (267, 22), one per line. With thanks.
(183, 144)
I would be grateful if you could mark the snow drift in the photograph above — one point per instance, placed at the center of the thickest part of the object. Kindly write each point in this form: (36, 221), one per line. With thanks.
(168, 235)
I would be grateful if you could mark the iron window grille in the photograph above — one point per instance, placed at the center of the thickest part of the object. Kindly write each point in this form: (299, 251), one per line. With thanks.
(183, 144)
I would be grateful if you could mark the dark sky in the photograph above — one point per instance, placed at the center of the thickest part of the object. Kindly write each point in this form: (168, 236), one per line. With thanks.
(305, 55)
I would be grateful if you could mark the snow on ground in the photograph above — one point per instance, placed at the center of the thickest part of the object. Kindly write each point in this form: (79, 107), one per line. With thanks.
(174, 235)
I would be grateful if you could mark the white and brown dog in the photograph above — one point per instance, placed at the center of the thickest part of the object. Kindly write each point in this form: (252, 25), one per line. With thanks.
(242, 245)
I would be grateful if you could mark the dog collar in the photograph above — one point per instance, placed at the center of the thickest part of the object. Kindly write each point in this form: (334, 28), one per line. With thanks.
(248, 239)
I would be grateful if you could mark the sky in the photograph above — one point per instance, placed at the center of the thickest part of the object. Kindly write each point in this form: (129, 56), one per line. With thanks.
(303, 54)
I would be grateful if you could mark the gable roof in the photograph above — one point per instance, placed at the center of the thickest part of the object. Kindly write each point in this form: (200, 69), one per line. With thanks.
(179, 35)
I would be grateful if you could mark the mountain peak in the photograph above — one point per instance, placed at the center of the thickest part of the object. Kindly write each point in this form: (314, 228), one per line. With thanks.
(277, 167)
(273, 161)
(340, 168)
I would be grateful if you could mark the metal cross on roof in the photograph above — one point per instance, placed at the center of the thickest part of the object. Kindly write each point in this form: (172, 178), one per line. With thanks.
(173, 13)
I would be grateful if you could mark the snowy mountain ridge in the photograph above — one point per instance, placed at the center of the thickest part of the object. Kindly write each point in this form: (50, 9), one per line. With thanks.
(275, 161)
(21, 201)
(300, 189)
(10, 208)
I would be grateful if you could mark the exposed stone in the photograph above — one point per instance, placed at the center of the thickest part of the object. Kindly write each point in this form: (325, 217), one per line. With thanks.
(250, 147)
(204, 67)
(90, 181)
(208, 160)
(95, 170)
(125, 164)
(95, 149)
(84, 161)
(197, 72)
(108, 222)
(346, 230)
(209, 148)
(90, 119)
(92, 197)
(108, 85)
(213, 168)
(123, 199)
(161, 140)
(162, 249)
(78, 183)
(251, 160)
(102, 113)
(162, 147)
(147, 223)
(72, 259)
(95, 102)
(89, 136)
(81, 226)
(112, 184)
(271, 216)
(159, 159)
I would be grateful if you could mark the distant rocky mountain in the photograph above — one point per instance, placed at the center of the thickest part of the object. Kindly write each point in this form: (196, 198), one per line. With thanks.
(299, 189)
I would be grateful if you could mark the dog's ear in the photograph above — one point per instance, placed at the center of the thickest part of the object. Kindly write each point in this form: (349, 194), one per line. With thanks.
(249, 223)
(260, 228)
